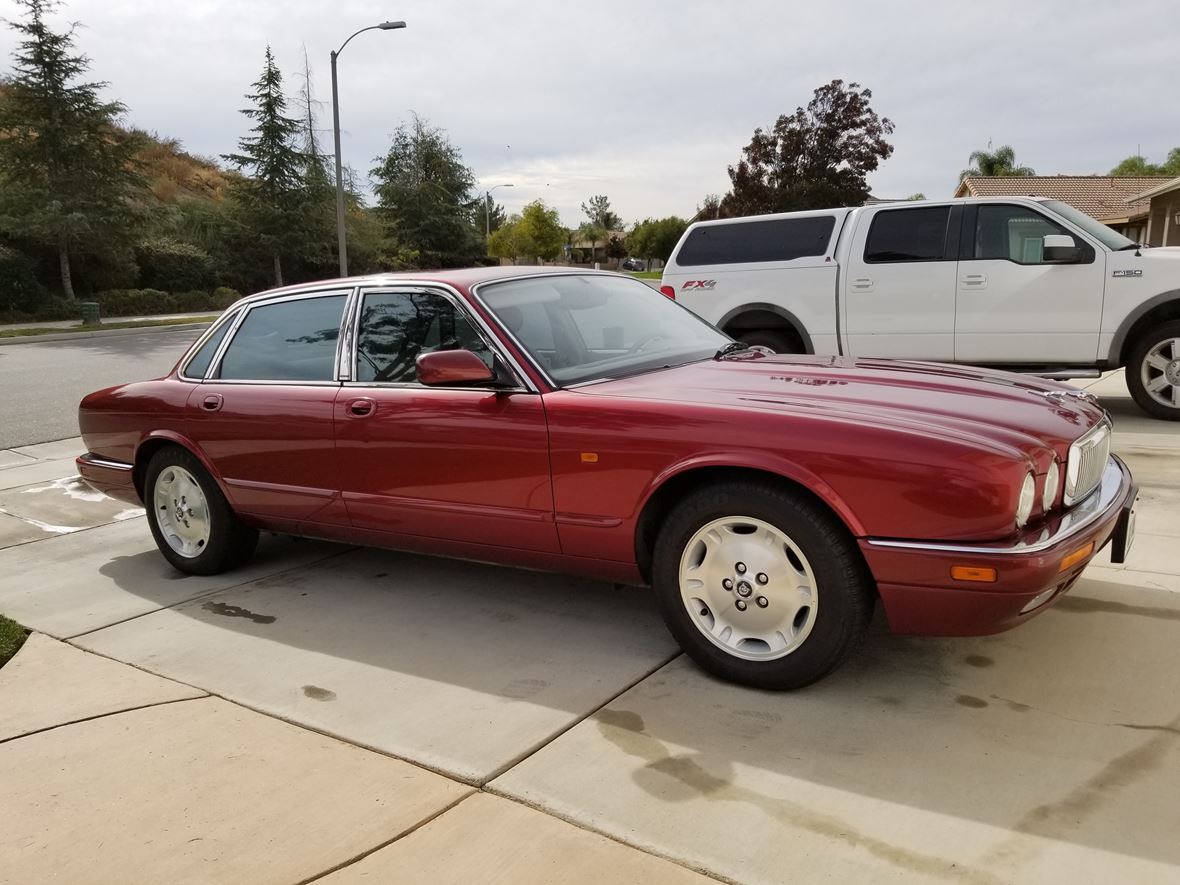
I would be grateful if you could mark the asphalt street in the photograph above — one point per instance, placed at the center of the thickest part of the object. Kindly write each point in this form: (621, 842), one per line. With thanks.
(41, 384)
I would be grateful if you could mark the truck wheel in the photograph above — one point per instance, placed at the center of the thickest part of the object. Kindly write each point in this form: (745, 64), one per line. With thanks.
(774, 339)
(190, 519)
(761, 585)
(1153, 371)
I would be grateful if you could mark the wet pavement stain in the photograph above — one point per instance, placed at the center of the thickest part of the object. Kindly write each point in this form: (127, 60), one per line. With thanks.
(970, 700)
(1057, 820)
(236, 611)
(684, 777)
(889, 701)
(980, 661)
(1087, 605)
(319, 694)
(519, 689)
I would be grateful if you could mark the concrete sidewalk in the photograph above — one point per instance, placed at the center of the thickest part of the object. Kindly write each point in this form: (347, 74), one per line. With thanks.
(344, 715)
(66, 324)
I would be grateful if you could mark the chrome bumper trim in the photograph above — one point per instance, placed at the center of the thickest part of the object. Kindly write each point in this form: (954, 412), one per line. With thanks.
(97, 461)
(1116, 482)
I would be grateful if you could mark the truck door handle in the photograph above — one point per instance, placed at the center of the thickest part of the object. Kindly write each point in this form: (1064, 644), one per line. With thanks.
(360, 408)
(862, 283)
(974, 281)
(212, 402)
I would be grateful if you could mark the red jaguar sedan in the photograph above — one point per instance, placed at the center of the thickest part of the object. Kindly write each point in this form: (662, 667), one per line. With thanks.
(581, 422)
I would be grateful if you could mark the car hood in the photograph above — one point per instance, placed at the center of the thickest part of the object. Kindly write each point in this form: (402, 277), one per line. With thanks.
(1000, 408)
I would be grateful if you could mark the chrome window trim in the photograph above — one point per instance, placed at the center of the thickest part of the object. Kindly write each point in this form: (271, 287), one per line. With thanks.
(451, 294)
(305, 295)
(1115, 480)
(229, 316)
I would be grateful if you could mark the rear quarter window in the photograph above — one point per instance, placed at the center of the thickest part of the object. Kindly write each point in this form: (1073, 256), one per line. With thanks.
(917, 234)
(747, 242)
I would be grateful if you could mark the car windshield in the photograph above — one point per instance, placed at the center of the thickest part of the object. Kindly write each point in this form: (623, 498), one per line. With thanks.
(1099, 231)
(582, 328)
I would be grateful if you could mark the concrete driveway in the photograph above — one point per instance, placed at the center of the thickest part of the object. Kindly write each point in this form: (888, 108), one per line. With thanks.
(360, 714)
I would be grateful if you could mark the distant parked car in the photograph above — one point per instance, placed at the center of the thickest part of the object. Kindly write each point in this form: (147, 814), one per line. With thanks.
(581, 422)
(630, 263)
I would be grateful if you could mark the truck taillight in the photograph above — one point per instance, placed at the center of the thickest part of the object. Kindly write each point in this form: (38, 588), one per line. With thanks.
(668, 291)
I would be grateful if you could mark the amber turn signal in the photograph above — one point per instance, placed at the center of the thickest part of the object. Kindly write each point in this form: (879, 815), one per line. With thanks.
(973, 573)
(1077, 556)
(589, 457)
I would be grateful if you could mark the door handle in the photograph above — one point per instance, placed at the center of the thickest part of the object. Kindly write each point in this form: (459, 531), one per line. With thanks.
(974, 281)
(212, 402)
(863, 283)
(359, 408)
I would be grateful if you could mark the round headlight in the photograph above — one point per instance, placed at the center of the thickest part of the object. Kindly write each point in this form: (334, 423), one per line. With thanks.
(1024, 506)
(1052, 481)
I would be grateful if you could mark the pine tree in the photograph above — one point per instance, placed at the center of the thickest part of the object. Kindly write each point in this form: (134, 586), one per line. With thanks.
(274, 167)
(67, 173)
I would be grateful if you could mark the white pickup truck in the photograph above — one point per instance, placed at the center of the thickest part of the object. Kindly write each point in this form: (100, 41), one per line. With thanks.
(1020, 283)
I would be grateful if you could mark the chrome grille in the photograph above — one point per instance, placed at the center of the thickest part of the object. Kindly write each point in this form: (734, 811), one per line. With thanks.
(1087, 461)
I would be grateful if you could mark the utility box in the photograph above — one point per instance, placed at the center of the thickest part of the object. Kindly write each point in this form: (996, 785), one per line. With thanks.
(90, 314)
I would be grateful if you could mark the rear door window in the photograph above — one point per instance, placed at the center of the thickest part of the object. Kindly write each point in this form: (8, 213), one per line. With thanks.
(199, 364)
(746, 242)
(917, 234)
(286, 341)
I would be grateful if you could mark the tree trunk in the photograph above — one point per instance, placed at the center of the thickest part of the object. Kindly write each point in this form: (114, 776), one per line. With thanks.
(278, 270)
(67, 283)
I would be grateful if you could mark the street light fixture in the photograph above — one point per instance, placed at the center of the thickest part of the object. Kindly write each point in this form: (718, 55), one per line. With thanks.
(487, 211)
(340, 240)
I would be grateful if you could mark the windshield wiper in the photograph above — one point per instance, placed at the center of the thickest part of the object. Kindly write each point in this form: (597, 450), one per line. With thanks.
(732, 347)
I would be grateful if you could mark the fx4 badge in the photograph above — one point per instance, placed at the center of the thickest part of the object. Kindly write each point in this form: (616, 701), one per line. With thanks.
(1126, 273)
(699, 284)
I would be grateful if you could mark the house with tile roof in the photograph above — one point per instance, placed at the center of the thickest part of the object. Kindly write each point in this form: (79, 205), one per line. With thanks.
(1163, 213)
(1120, 202)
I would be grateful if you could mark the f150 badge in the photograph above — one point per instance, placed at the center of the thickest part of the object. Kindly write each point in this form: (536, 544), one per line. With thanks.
(699, 284)
(1126, 273)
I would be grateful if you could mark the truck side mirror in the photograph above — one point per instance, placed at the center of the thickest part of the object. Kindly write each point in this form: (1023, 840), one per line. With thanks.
(1060, 249)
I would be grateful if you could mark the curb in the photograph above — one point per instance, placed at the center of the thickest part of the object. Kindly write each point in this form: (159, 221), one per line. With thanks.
(98, 333)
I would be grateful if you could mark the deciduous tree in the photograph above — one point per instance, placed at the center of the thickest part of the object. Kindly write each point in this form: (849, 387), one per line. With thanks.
(656, 238)
(1137, 164)
(815, 158)
(67, 176)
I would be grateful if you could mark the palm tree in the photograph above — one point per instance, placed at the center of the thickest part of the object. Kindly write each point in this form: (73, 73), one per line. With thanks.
(1001, 162)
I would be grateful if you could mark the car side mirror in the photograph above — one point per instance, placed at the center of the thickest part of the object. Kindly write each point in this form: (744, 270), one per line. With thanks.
(443, 367)
(1060, 249)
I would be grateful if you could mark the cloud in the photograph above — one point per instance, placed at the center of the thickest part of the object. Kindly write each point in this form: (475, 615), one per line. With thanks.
(649, 102)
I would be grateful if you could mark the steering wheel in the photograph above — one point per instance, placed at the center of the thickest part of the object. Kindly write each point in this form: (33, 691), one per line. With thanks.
(642, 342)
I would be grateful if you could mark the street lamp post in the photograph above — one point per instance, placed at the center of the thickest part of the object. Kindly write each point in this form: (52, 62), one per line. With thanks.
(487, 211)
(341, 245)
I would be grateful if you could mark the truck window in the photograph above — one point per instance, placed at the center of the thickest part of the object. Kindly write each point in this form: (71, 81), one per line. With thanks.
(1013, 233)
(917, 234)
(778, 239)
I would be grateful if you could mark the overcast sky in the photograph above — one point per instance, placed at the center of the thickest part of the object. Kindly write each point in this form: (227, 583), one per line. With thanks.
(648, 101)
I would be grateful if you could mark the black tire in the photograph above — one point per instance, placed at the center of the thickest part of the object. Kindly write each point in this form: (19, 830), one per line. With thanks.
(845, 590)
(1135, 371)
(231, 542)
(778, 340)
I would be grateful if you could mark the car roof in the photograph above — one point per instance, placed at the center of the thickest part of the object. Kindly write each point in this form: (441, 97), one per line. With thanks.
(462, 278)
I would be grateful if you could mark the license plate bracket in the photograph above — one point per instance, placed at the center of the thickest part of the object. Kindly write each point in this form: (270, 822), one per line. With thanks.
(1124, 532)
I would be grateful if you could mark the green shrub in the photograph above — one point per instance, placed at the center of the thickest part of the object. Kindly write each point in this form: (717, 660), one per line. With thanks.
(165, 263)
(135, 302)
(19, 290)
(224, 296)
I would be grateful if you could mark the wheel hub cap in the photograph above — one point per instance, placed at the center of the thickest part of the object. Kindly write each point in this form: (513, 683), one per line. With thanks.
(1160, 372)
(748, 588)
(182, 513)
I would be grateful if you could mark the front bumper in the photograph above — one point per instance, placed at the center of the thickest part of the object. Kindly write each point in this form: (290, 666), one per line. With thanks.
(114, 478)
(920, 596)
